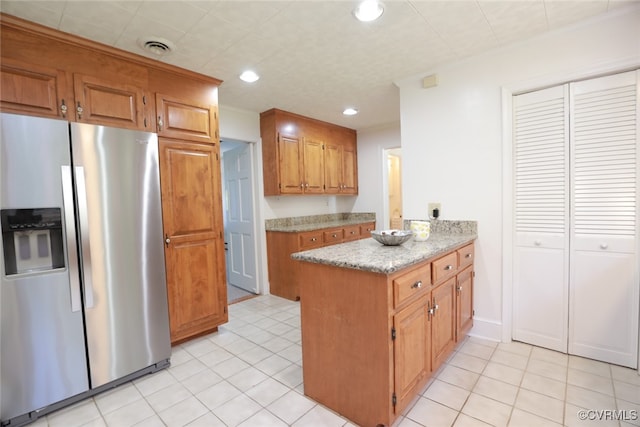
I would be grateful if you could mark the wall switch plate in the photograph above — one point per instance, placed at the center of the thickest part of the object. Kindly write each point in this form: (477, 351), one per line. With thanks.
(432, 207)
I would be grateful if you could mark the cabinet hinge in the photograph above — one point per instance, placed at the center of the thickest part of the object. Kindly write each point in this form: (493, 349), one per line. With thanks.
(473, 312)
(393, 333)
(144, 99)
(394, 399)
(473, 274)
(221, 234)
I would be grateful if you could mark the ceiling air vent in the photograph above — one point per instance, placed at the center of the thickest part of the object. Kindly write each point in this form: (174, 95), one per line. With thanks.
(156, 45)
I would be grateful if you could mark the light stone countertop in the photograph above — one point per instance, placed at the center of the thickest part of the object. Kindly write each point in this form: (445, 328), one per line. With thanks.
(369, 255)
(317, 222)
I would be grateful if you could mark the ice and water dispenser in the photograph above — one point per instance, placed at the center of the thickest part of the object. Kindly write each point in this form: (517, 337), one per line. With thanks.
(32, 240)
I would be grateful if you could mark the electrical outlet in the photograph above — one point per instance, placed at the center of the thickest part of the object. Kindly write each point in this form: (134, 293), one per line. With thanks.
(432, 207)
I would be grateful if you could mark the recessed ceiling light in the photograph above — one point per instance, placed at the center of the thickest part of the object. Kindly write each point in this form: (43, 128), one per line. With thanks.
(368, 10)
(249, 76)
(350, 112)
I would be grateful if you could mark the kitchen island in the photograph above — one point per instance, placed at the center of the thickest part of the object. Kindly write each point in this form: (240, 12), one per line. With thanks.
(378, 320)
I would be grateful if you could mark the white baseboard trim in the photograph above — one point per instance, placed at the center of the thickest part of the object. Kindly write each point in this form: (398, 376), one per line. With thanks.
(486, 329)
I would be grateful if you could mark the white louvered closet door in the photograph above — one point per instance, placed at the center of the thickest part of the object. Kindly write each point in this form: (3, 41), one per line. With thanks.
(576, 260)
(541, 267)
(604, 285)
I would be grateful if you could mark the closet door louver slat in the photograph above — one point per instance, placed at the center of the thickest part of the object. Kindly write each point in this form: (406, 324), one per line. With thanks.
(605, 162)
(540, 162)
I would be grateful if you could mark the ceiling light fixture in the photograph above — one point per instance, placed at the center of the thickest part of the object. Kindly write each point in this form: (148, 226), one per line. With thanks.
(350, 112)
(249, 76)
(368, 10)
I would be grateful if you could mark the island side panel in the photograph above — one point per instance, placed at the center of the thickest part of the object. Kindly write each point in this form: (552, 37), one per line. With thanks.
(346, 341)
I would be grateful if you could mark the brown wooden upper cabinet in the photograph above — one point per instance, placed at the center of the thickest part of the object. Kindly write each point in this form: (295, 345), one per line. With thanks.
(108, 103)
(186, 120)
(32, 89)
(43, 91)
(341, 165)
(306, 156)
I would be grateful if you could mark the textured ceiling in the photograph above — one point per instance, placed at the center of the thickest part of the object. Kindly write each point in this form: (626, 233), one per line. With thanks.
(314, 58)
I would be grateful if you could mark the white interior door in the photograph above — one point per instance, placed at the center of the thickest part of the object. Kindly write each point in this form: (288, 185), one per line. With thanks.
(239, 227)
(604, 288)
(576, 281)
(541, 264)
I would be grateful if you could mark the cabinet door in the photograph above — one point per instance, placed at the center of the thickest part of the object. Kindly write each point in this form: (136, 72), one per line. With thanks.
(411, 347)
(464, 303)
(332, 167)
(107, 103)
(443, 322)
(290, 164)
(186, 119)
(313, 166)
(190, 183)
(349, 169)
(32, 90)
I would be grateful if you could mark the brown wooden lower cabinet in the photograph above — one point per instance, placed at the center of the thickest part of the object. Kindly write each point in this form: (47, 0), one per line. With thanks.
(370, 341)
(284, 279)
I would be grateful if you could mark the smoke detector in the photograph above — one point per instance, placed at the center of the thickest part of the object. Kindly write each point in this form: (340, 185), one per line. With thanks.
(156, 45)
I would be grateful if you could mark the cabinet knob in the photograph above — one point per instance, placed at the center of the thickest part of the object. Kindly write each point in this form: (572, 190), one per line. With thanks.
(448, 267)
(79, 110)
(603, 246)
(63, 109)
(160, 123)
(313, 239)
(334, 235)
(353, 232)
(537, 242)
(459, 288)
(467, 256)
(167, 240)
(417, 285)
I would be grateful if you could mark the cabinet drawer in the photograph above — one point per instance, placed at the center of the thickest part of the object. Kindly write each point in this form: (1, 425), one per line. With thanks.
(330, 237)
(366, 229)
(465, 256)
(411, 285)
(445, 267)
(310, 240)
(351, 232)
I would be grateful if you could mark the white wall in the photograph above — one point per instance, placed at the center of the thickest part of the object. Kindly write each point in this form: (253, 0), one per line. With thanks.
(453, 146)
(372, 182)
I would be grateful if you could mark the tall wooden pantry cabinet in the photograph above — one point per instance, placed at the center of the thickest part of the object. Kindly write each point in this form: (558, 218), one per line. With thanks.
(576, 256)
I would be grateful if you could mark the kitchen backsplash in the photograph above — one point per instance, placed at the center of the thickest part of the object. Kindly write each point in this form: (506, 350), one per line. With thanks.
(447, 226)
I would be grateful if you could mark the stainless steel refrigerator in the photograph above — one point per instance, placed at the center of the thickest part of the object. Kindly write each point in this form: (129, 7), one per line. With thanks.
(83, 300)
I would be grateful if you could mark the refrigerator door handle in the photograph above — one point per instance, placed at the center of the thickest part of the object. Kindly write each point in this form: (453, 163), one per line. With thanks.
(72, 249)
(84, 236)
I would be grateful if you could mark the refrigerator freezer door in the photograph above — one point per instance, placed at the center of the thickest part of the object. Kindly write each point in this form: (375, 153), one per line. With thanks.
(122, 249)
(43, 356)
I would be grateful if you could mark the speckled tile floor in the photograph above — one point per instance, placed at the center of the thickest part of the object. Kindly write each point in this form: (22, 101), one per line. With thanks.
(250, 374)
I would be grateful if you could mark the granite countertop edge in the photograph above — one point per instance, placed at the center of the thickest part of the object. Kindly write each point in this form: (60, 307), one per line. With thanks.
(369, 255)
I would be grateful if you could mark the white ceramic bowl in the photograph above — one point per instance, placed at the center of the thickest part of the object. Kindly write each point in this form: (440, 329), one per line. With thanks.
(391, 237)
